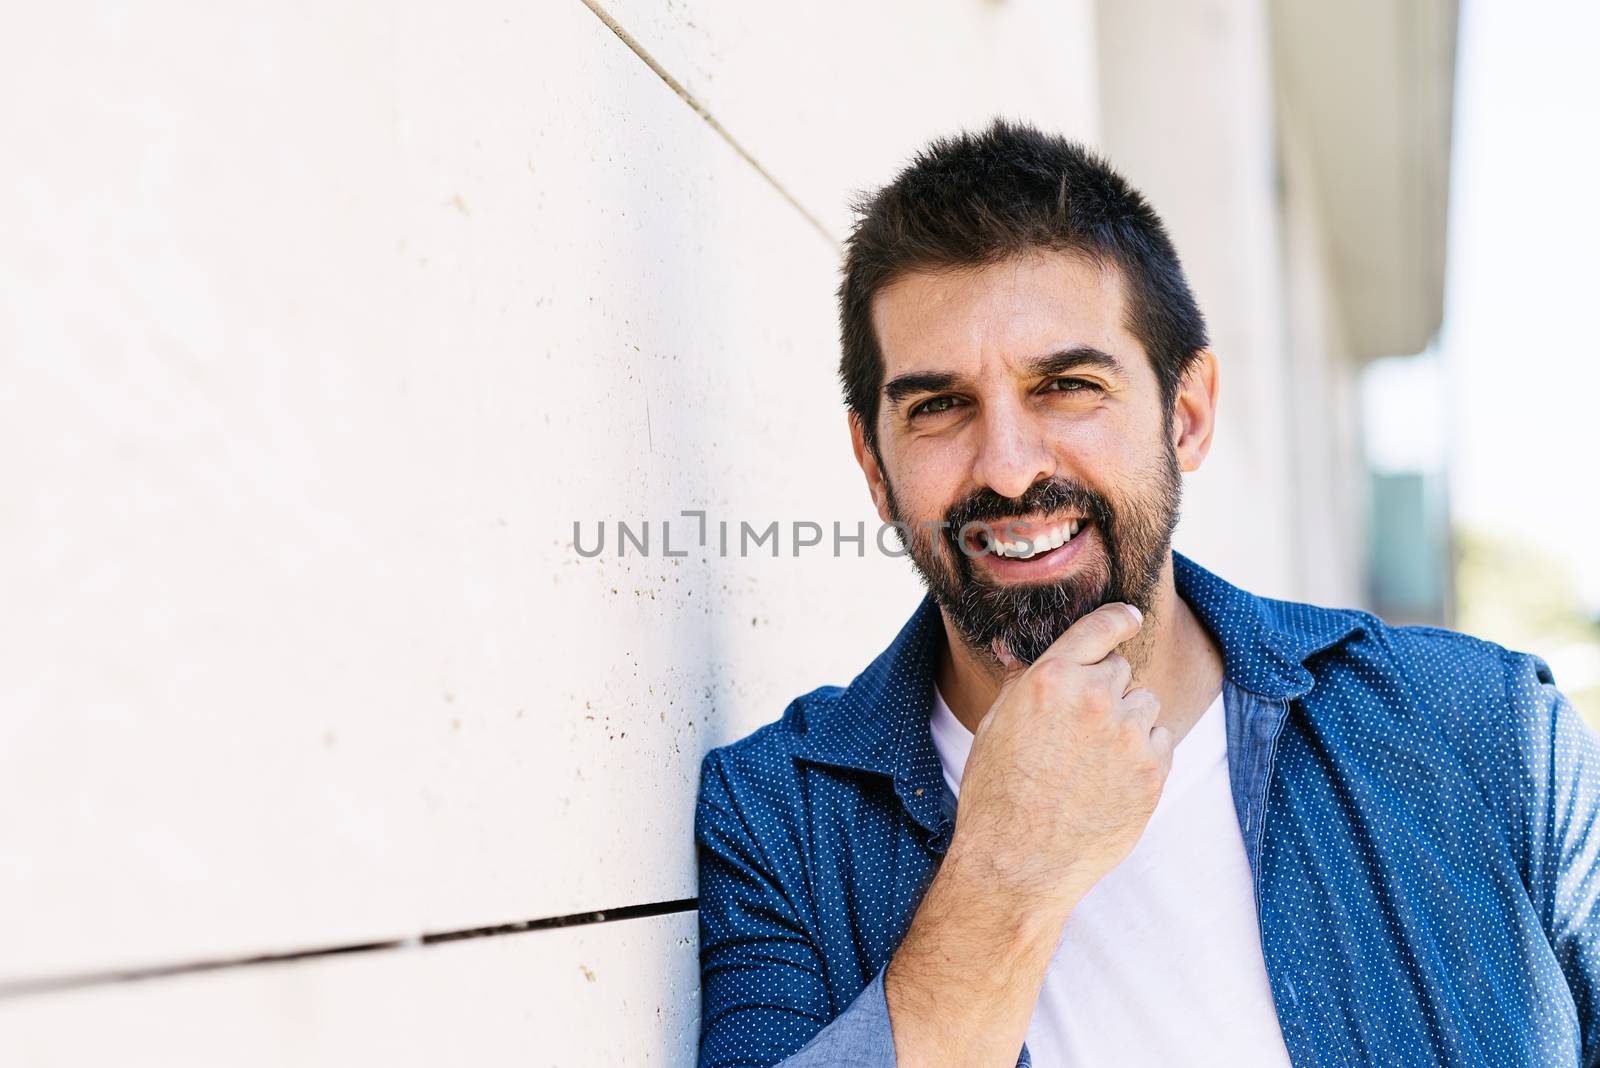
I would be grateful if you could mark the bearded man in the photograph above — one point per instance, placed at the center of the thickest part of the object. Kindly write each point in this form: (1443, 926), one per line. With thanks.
(1095, 805)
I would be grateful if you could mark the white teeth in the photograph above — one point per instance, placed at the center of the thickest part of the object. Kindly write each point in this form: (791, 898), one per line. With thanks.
(1052, 538)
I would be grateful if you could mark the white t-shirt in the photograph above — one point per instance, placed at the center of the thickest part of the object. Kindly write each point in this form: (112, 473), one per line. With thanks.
(1160, 963)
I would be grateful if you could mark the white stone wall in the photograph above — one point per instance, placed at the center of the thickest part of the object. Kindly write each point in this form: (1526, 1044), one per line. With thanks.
(322, 325)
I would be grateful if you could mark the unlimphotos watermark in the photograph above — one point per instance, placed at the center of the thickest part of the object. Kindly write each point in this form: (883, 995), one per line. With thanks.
(726, 538)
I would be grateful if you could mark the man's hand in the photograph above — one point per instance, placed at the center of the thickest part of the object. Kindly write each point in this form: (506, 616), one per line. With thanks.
(1065, 770)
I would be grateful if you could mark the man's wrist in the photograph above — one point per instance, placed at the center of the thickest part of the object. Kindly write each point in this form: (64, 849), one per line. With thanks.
(967, 975)
(1036, 904)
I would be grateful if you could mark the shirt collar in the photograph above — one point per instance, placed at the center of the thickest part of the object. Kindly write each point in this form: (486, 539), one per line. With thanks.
(880, 721)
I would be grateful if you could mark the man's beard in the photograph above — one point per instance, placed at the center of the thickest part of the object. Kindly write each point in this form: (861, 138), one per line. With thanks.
(1134, 540)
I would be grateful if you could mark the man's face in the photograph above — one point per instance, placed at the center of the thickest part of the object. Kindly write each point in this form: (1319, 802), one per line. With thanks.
(1019, 411)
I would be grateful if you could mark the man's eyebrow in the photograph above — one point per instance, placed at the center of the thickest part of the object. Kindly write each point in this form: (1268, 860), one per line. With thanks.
(908, 385)
(1059, 363)
(1056, 363)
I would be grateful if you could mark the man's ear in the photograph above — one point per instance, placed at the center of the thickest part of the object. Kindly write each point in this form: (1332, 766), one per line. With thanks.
(876, 483)
(1194, 411)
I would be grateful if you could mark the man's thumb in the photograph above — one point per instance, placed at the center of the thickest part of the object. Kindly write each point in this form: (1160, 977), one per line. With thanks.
(1010, 666)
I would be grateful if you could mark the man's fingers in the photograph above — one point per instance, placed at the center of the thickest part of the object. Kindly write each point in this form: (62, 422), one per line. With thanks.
(1120, 672)
(1011, 669)
(1161, 746)
(1091, 639)
(1143, 706)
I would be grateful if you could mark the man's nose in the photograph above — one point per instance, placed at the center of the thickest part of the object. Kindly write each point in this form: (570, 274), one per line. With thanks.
(1012, 454)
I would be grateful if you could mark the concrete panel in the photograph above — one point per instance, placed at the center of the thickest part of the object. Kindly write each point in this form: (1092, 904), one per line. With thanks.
(1329, 482)
(558, 998)
(1372, 83)
(833, 97)
(322, 328)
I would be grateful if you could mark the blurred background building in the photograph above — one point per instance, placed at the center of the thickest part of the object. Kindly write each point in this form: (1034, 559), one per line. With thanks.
(325, 326)
(1517, 364)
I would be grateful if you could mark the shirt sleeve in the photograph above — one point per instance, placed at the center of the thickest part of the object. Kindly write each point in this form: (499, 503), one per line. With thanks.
(1565, 839)
(764, 996)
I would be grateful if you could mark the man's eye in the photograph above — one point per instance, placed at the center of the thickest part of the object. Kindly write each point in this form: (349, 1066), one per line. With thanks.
(1071, 385)
(935, 405)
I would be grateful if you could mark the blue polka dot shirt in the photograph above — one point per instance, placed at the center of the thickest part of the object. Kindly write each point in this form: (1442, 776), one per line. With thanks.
(1421, 812)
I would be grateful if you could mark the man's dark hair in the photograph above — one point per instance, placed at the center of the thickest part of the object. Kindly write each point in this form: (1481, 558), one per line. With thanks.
(978, 198)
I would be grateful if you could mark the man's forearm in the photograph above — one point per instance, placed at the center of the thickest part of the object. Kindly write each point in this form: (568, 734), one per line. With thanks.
(962, 986)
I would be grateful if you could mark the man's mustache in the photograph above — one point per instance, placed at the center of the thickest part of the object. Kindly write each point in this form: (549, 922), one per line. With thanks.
(1042, 498)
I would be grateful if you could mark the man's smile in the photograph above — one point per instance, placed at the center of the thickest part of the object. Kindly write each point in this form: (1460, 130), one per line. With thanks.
(1038, 550)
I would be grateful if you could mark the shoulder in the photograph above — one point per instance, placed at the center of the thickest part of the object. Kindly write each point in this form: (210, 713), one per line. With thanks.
(752, 807)
(1489, 706)
(760, 765)
(1419, 658)
(1459, 674)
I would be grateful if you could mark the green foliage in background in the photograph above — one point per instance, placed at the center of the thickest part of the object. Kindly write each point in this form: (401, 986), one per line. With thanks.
(1511, 593)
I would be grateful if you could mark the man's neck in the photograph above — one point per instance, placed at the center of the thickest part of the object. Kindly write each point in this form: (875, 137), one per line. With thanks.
(1174, 655)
